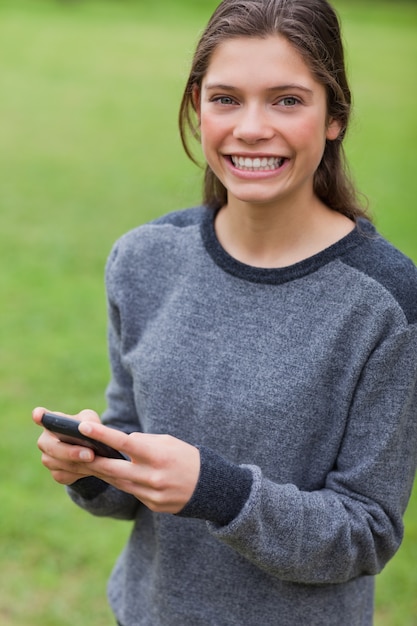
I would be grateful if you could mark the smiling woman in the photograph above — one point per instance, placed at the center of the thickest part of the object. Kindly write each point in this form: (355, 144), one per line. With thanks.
(262, 349)
(264, 141)
(326, 65)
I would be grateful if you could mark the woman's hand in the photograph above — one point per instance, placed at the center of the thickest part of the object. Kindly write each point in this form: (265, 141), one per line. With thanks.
(162, 473)
(67, 463)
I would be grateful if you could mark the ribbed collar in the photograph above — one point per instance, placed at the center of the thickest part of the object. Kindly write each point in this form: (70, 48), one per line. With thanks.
(276, 276)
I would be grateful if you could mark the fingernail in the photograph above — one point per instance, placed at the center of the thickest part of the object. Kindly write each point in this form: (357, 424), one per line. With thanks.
(86, 428)
(85, 455)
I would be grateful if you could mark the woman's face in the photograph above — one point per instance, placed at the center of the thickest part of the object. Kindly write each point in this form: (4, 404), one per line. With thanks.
(263, 120)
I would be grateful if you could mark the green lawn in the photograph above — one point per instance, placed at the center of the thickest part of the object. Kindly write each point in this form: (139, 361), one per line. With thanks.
(89, 148)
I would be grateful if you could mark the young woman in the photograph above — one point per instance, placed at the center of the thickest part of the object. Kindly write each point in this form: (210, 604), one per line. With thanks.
(263, 352)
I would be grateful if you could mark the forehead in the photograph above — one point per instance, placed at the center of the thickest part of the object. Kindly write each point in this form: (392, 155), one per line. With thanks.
(255, 58)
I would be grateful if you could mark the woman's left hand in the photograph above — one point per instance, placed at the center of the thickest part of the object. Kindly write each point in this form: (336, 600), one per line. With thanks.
(163, 471)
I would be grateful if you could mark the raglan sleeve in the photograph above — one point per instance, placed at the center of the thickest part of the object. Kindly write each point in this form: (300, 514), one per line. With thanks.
(353, 525)
(92, 494)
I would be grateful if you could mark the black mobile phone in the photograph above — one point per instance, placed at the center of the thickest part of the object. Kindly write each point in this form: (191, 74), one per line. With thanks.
(67, 430)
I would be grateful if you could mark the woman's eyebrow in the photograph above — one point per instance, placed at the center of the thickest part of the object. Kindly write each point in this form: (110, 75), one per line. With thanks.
(290, 87)
(221, 86)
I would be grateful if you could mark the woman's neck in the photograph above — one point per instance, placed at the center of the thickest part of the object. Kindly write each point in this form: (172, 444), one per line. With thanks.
(266, 236)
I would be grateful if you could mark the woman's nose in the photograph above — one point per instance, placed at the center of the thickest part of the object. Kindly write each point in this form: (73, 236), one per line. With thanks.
(253, 125)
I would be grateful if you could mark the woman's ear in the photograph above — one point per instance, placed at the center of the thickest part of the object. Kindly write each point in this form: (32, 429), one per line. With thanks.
(334, 129)
(196, 97)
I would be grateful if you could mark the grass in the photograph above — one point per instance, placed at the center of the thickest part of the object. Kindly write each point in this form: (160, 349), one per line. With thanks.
(89, 148)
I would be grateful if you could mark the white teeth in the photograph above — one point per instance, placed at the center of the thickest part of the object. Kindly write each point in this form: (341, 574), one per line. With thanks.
(264, 164)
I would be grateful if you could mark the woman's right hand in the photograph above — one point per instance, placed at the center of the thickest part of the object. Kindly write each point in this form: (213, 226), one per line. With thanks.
(66, 462)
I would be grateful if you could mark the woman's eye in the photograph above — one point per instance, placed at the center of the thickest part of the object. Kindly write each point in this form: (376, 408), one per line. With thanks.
(224, 100)
(289, 101)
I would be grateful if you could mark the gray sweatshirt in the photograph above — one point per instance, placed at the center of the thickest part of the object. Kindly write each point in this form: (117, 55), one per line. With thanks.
(299, 386)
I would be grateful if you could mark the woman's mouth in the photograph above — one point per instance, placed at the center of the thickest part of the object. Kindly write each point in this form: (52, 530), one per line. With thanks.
(257, 164)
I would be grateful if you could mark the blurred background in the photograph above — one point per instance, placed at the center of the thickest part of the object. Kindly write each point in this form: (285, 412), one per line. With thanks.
(89, 148)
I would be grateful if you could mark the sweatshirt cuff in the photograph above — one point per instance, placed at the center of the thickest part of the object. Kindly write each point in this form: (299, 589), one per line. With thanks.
(222, 489)
(89, 487)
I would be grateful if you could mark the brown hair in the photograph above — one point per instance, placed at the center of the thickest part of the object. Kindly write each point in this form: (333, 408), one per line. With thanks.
(313, 28)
